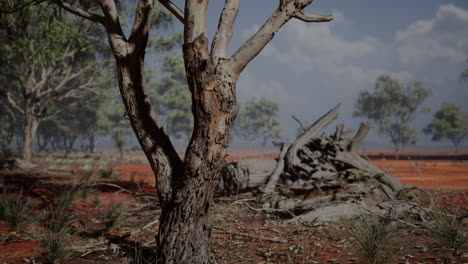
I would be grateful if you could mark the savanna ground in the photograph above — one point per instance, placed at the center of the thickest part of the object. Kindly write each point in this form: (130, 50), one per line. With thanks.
(114, 210)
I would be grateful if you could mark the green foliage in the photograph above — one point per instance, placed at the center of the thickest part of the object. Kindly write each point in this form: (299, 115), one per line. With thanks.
(173, 98)
(448, 229)
(464, 74)
(46, 63)
(258, 118)
(107, 173)
(392, 107)
(119, 137)
(57, 247)
(17, 211)
(451, 123)
(114, 215)
(373, 237)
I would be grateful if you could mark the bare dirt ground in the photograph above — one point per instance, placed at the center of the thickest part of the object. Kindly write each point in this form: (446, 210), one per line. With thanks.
(242, 233)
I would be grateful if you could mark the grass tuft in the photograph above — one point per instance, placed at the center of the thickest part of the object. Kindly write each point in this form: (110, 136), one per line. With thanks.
(114, 216)
(58, 247)
(107, 173)
(448, 229)
(17, 212)
(373, 237)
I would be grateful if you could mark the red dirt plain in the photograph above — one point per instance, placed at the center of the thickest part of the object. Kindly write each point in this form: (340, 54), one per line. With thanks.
(329, 244)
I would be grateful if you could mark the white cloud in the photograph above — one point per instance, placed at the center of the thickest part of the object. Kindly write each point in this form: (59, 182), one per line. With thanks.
(311, 67)
(443, 39)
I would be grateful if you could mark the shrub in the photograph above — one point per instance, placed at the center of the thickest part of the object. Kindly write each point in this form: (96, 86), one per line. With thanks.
(114, 215)
(373, 237)
(17, 212)
(448, 229)
(57, 247)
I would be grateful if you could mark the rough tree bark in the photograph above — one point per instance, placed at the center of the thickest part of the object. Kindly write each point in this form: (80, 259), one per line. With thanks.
(29, 134)
(186, 187)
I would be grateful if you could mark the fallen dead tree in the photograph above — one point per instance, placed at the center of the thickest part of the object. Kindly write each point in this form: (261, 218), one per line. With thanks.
(319, 177)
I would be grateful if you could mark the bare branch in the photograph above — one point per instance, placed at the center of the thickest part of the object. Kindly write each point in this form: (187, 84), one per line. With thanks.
(80, 12)
(287, 9)
(224, 33)
(12, 102)
(141, 26)
(173, 9)
(312, 17)
(299, 122)
(259, 40)
(195, 19)
(18, 8)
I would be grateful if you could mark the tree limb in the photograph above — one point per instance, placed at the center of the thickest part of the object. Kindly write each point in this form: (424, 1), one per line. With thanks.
(173, 9)
(286, 10)
(80, 12)
(224, 33)
(195, 19)
(141, 26)
(301, 15)
(16, 9)
(12, 102)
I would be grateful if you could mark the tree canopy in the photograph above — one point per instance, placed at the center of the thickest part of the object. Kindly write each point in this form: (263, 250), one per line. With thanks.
(449, 122)
(258, 118)
(46, 60)
(392, 107)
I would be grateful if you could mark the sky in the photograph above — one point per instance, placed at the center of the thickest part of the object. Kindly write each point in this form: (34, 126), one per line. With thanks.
(308, 68)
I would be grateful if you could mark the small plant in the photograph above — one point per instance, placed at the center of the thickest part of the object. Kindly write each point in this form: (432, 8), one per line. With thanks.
(67, 197)
(107, 173)
(448, 229)
(58, 247)
(373, 237)
(17, 212)
(114, 216)
(139, 257)
(60, 221)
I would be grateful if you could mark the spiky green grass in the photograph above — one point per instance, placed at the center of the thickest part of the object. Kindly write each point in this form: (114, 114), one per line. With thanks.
(114, 215)
(373, 237)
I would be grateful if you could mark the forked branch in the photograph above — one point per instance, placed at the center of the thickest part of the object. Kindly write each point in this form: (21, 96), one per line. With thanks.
(287, 9)
(80, 12)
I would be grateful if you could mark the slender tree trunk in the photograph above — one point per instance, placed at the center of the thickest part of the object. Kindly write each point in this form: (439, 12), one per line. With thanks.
(184, 231)
(29, 133)
(91, 142)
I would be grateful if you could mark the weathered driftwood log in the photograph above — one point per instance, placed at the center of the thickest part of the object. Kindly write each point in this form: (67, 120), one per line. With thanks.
(319, 176)
(244, 175)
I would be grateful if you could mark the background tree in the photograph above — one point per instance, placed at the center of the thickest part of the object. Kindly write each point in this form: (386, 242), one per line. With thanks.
(392, 108)
(43, 61)
(186, 187)
(464, 74)
(258, 118)
(451, 123)
(7, 130)
(172, 98)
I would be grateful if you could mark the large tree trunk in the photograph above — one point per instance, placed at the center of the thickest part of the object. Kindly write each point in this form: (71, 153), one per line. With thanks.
(184, 231)
(29, 133)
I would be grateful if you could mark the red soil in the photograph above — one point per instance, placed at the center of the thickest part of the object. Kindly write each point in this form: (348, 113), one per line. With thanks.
(432, 174)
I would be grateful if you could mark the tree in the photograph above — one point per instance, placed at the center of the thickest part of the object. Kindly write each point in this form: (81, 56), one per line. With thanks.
(464, 74)
(258, 119)
(186, 186)
(43, 61)
(392, 107)
(451, 123)
(7, 129)
(173, 99)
